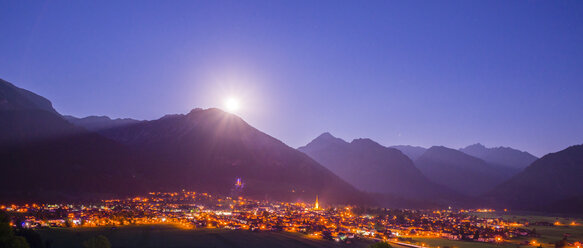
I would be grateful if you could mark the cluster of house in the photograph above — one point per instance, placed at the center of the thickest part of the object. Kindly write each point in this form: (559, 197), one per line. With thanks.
(191, 210)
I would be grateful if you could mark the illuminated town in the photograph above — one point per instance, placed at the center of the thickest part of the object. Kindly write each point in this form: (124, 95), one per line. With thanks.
(193, 210)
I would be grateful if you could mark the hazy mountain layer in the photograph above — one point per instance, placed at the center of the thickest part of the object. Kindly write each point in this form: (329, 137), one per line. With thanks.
(374, 168)
(97, 123)
(500, 155)
(461, 172)
(413, 152)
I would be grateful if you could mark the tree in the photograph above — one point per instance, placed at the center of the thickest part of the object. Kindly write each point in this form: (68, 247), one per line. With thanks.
(32, 238)
(18, 242)
(7, 237)
(98, 241)
(380, 245)
(5, 230)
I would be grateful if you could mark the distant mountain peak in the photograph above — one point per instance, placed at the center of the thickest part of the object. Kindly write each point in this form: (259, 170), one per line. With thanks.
(365, 141)
(326, 135)
(97, 123)
(440, 148)
(323, 141)
(461, 171)
(476, 145)
(372, 167)
(506, 156)
(211, 112)
(207, 110)
(194, 110)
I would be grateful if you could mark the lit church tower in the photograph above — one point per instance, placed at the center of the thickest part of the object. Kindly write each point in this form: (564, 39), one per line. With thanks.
(317, 205)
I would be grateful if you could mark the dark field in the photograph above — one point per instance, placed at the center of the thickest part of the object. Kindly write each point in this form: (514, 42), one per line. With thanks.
(573, 226)
(168, 236)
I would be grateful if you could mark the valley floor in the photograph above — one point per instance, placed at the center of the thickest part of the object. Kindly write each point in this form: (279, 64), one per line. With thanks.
(169, 236)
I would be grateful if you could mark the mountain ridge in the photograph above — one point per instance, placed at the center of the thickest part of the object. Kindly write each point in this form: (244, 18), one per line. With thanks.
(97, 123)
(374, 168)
(506, 156)
(204, 150)
(461, 172)
(15, 98)
(413, 152)
(554, 178)
(212, 143)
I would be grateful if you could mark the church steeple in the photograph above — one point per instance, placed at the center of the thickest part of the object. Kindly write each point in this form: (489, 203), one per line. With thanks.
(317, 204)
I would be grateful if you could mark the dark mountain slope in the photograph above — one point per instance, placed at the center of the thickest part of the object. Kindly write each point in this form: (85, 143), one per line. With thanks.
(208, 149)
(73, 167)
(547, 184)
(374, 168)
(461, 172)
(413, 152)
(42, 156)
(14, 98)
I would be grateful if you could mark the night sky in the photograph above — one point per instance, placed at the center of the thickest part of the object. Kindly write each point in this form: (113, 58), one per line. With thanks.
(503, 73)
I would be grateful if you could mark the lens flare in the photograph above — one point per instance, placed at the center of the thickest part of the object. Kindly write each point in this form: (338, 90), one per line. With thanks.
(232, 105)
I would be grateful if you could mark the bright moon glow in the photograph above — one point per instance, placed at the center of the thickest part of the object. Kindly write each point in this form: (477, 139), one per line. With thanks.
(231, 105)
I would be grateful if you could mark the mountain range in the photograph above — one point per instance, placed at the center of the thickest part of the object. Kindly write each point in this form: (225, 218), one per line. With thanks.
(504, 156)
(413, 152)
(461, 172)
(209, 149)
(372, 167)
(551, 183)
(49, 157)
(98, 123)
(43, 156)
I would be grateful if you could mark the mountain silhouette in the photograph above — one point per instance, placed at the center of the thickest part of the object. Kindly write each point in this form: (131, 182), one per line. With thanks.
(500, 155)
(374, 168)
(46, 156)
(461, 172)
(14, 98)
(209, 149)
(551, 183)
(97, 123)
(43, 156)
(413, 152)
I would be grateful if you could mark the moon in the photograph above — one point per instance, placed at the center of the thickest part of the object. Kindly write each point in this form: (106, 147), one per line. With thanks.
(232, 105)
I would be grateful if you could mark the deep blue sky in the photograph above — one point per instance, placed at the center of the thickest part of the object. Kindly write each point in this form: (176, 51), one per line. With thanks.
(504, 73)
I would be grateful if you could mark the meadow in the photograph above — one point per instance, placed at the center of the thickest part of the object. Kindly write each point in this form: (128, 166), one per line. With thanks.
(572, 226)
(169, 236)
